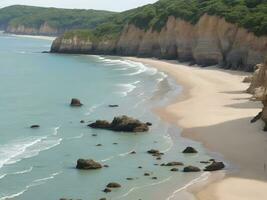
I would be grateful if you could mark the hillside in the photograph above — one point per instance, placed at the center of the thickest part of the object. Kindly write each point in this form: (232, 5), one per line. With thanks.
(230, 33)
(48, 21)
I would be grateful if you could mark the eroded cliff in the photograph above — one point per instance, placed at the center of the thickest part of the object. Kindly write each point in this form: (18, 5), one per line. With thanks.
(210, 41)
(258, 88)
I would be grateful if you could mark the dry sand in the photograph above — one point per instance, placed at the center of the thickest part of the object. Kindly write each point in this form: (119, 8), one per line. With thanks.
(214, 110)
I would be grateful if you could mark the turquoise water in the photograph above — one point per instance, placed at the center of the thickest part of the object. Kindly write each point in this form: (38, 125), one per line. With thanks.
(36, 88)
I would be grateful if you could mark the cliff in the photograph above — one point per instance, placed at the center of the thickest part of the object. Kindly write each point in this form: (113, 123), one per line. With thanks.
(44, 29)
(211, 41)
(258, 88)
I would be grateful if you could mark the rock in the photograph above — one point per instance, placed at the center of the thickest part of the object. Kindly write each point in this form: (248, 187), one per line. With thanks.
(256, 118)
(247, 79)
(154, 178)
(103, 199)
(35, 126)
(190, 150)
(94, 135)
(153, 151)
(113, 185)
(140, 167)
(174, 170)
(101, 124)
(106, 166)
(129, 179)
(113, 106)
(158, 158)
(115, 143)
(215, 166)
(121, 124)
(75, 102)
(88, 164)
(205, 162)
(149, 123)
(191, 169)
(99, 145)
(146, 174)
(133, 152)
(107, 190)
(174, 164)
(82, 121)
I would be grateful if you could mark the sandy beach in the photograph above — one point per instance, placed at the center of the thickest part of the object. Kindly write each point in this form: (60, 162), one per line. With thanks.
(214, 109)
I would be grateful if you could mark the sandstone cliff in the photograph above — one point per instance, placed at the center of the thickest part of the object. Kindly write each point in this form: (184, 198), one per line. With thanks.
(258, 88)
(44, 29)
(210, 41)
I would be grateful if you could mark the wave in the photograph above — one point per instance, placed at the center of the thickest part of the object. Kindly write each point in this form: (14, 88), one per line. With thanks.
(16, 173)
(33, 184)
(204, 176)
(143, 186)
(92, 109)
(126, 153)
(127, 87)
(168, 140)
(16, 151)
(76, 137)
(56, 130)
(107, 159)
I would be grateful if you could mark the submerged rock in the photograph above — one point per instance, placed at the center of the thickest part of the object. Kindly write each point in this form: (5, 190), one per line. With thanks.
(35, 126)
(121, 124)
(215, 166)
(75, 102)
(174, 170)
(113, 106)
(88, 164)
(113, 185)
(191, 169)
(174, 164)
(190, 150)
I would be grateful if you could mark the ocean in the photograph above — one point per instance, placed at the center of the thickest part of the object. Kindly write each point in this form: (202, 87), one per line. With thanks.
(36, 88)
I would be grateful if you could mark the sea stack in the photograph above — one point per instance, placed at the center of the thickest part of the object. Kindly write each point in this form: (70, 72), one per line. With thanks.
(75, 102)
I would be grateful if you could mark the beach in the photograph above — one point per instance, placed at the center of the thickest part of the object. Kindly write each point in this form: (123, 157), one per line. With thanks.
(215, 110)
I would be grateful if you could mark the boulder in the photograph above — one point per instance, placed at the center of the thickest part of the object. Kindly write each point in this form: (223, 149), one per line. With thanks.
(35, 126)
(191, 169)
(215, 166)
(101, 124)
(88, 164)
(174, 164)
(113, 185)
(174, 170)
(75, 102)
(190, 150)
(113, 106)
(121, 124)
(153, 151)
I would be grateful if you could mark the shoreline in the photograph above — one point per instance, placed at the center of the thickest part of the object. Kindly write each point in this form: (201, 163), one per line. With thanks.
(219, 96)
(50, 38)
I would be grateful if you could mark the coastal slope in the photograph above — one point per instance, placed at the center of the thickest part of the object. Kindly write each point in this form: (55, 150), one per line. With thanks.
(201, 32)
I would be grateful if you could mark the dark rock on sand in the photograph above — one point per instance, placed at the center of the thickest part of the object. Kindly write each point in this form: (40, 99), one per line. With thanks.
(191, 169)
(215, 166)
(75, 102)
(88, 164)
(190, 150)
(174, 170)
(107, 190)
(121, 124)
(174, 164)
(35, 126)
(113, 185)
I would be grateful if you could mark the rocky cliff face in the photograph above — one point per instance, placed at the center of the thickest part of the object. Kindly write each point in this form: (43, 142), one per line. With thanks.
(258, 88)
(44, 29)
(211, 41)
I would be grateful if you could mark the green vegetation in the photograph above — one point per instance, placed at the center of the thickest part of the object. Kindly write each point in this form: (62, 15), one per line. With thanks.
(250, 14)
(34, 17)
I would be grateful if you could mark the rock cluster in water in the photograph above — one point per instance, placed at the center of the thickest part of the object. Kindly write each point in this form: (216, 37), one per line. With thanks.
(121, 124)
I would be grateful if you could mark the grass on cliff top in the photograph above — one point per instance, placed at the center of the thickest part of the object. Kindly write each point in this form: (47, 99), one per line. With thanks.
(250, 14)
(34, 17)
